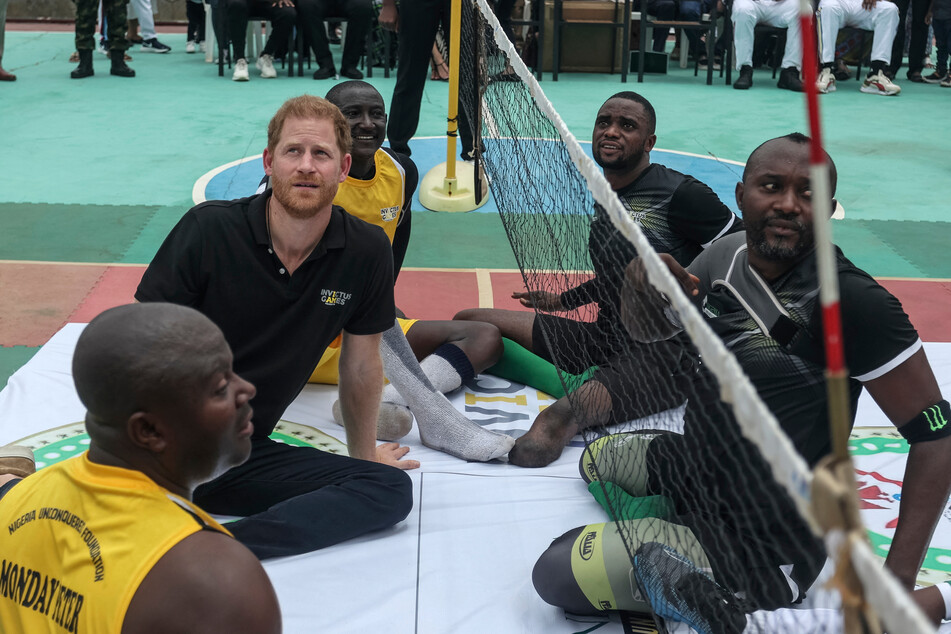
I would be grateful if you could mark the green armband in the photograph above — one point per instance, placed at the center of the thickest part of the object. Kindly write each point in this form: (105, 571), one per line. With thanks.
(931, 424)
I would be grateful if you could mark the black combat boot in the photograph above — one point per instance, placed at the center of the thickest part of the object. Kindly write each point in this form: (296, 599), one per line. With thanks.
(745, 80)
(85, 66)
(119, 66)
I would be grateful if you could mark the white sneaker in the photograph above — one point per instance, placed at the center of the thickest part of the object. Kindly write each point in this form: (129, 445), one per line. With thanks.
(826, 81)
(879, 84)
(201, 46)
(241, 70)
(190, 47)
(265, 64)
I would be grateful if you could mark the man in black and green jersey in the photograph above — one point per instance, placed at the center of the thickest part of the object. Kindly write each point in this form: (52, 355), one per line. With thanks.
(680, 216)
(759, 293)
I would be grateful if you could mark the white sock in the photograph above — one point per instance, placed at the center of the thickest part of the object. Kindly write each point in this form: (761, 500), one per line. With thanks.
(447, 368)
(441, 426)
(393, 422)
(945, 590)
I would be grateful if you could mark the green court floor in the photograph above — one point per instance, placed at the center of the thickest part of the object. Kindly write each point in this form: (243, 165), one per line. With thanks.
(99, 170)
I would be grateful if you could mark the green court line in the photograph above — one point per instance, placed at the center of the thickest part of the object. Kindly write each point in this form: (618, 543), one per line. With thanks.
(12, 359)
(85, 233)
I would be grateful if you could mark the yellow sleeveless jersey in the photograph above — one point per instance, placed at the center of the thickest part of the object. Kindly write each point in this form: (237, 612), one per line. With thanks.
(78, 539)
(379, 200)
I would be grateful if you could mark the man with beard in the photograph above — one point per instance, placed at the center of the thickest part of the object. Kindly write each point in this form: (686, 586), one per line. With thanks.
(759, 293)
(282, 273)
(680, 216)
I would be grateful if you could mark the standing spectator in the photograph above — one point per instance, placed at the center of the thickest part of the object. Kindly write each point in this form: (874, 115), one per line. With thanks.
(919, 33)
(195, 10)
(417, 22)
(4, 75)
(86, 37)
(150, 43)
(939, 17)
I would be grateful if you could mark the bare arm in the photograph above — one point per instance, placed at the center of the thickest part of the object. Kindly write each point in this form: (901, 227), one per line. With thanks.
(360, 386)
(643, 308)
(207, 583)
(902, 394)
(389, 17)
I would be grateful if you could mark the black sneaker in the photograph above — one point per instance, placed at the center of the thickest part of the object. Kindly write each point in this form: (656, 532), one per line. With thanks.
(325, 72)
(936, 77)
(915, 76)
(789, 79)
(678, 591)
(745, 80)
(351, 72)
(152, 45)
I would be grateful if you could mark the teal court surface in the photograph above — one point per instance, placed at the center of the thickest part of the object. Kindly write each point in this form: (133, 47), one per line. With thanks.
(94, 173)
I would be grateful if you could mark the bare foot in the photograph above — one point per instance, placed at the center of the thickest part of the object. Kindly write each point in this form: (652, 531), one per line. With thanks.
(543, 443)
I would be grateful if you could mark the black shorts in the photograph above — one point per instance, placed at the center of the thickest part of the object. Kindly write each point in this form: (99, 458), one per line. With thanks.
(640, 378)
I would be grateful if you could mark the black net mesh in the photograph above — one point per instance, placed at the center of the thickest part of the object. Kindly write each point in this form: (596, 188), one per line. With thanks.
(662, 449)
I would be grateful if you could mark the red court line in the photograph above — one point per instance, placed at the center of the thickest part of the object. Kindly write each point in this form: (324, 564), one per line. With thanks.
(928, 303)
(38, 298)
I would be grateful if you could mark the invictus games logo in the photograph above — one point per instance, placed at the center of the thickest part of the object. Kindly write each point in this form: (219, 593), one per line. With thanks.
(586, 547)
(334, 298)
(389, 213)
(709, 309)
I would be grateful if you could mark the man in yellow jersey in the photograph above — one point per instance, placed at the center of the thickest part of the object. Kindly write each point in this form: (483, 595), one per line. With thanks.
(109, 541)
(379, 190)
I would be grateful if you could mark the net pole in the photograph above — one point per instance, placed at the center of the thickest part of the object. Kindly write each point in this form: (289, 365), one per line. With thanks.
(836, 372)
(455, 30)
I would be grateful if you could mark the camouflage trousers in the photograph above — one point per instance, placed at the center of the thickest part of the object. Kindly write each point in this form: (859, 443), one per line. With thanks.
(114, 14)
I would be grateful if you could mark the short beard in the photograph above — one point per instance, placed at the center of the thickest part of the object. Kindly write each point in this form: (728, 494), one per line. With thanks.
(628, 161)
(284, 193)
(780, 252)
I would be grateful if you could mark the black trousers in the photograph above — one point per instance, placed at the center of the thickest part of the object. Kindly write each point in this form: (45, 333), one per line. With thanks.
(300, 499)
(919, 35)
(359, 15)
(282, 21)
(419, 23)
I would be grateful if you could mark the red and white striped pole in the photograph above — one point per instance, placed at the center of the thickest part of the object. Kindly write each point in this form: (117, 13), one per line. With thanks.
(836, 372)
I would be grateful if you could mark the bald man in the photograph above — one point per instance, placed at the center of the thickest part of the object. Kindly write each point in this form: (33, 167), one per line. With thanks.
(109, 541)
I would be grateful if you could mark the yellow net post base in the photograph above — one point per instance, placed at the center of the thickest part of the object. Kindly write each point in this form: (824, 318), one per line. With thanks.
(437, 192)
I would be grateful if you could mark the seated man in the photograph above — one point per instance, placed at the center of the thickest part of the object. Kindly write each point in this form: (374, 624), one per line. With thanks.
(110, 540)
(746, 14)
(280, 13)
(359, 15)
(680, 216)
(283, 273)
(728, 514)
(686, 10)
(379, 190)
(871, 15)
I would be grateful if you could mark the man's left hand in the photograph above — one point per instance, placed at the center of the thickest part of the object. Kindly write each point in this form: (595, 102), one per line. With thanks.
(391, 452)
(282, 3)
(868, 5)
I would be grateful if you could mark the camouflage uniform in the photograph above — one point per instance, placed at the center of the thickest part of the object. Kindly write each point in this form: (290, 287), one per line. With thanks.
(115, 17)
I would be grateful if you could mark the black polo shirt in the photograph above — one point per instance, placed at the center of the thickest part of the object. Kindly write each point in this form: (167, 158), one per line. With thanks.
(218, 260)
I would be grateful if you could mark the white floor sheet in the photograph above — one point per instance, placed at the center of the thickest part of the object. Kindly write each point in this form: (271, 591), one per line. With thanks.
(460, 563)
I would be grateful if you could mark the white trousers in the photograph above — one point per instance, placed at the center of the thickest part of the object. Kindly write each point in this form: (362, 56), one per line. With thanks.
(835, 14)
(780, 13)
(142, 9)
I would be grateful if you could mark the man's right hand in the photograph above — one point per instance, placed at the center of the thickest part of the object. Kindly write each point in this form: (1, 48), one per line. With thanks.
(541, 300)
(391, 452)
(389, 17)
